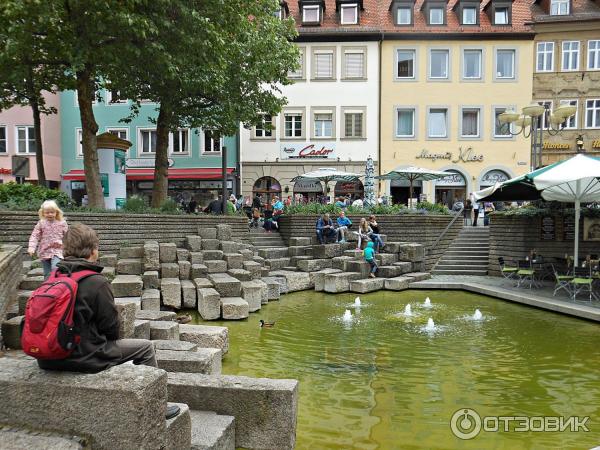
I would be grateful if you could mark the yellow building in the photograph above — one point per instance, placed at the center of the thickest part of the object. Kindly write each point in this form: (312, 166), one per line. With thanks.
(443, 90)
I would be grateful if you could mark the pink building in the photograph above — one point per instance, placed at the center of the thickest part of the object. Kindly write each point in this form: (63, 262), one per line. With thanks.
(17, 138)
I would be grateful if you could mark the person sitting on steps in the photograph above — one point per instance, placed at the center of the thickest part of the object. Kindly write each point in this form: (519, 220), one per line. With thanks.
(343, 225)
(325, 229)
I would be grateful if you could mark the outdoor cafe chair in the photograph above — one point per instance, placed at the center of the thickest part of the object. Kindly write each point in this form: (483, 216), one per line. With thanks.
(525, 274)
(582, 281)
(562, 282)
(507, 272)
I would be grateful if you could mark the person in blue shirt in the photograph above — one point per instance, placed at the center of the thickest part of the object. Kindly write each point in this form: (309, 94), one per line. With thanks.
(343, 225)
(340, 203)
(325, 229)
(369, 254)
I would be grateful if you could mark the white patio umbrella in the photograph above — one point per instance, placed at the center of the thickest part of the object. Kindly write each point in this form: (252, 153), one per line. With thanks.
(327, 175)
(412, 174)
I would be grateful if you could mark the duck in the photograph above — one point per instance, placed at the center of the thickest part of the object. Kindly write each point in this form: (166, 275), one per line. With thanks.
(183, 319)
(264, 324)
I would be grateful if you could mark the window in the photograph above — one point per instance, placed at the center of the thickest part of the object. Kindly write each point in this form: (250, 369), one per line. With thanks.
(559, 7)
(311, 14)
(264, 128)
(213, 142)
(501, 130)
(593, 55)
(3, 139)
(113, 97)
(78, 141)
(324, 65)
(25, 140)
(180, 141)
(349, 14)
(505, 64)
(405, 66)
(121, 133)
(354, 64)
(592, 113)
(501, 15)
(354, 124)
(469, 125)
(405, 122)
(404, 15)
(472, 64)
(293, 125)
(545, 56)
(438, 64)
(436, 16)
(469, 16)
(147, 141)
(547, 104)
(571, 122)
(323, 125)
(437, 123)
(570, 55)
(299, 73)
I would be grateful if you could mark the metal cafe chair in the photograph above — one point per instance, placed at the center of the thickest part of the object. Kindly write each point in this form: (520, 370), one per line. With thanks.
(582, 281)
(525, 273)
(507, 272)
(561, 282)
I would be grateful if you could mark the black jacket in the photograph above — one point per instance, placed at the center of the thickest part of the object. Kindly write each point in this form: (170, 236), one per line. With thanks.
(96, 319)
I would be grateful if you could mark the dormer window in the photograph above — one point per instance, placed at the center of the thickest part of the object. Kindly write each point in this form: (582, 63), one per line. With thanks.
(469, 16)
(312, 11)
(499, 12)
(501, 16)
(402, 12)
(436, 16)
(467, 12)
(559, 7)
(283, 12)
(349, 14)
(435, 12)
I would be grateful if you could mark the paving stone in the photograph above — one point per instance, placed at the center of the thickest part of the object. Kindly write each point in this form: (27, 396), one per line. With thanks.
(230, 247)
(151, 256)
(202, 283)
(362, 267)
(179, 346)
(149, 314)
(327, 251)
(166, 329)
(397, 283)
(198, 271)
(224, 232)
(216, 266)
(188, 294)
(209, 303)
(11, 332)
(141, 329)
(127, 286)
(273, 288)
(240, 274)
(205, 336)
(418, 276)
(411, 252)
(168, 252)
(234, 260)
(196, 257)
(134, 251)
(389, 271)
(151, 300)
(339, 282)
(193, 243)
(204, 360)
(225, 284)
(169, 270)
(253, 268)
(386, 259)
(255, 293)
(207, 232)
(183, 254)
(108, 259)
(234, 308)
(246, 254)
(300, 241)
(367, 285)
(405, 266)
(185, 269)
(212, 254)
(150, 279)
(170, 289)
(211, 244)
(319, 278)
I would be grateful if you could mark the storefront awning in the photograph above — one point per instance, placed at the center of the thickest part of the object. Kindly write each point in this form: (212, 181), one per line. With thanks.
(205, 173)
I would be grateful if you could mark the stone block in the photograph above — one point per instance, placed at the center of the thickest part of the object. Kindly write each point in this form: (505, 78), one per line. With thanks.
(327, 251)
(297, 250)
(230, 247)
(136, 301)
(149, 314)
(168, 252)
(386, 259)
(141, 329)
(256, 426)
(169, 270)
(150, 279)
(188, 294)
(216, 266)
(339, 262)
(273, 288)
(11, 332)
(164, 329)
(185, 269)
(38, 271)
(418, 276)
(151, 256)
(196, 257)
(31, 283)
(281, 279)
(202, 283)
(314, 265)
(296, 281)
(134, 251)
(198, 271)
(393, 247)
(108, 259)
(273, 252)
(234, 308)
(397, 283)
(179, 428)
(418, 267)
(127, 286)
(205, 336)
(339, 282)
(411, 252)
(367, 285)
(354, 254)
(170, 289)
(234, 260)
(319, 277)
(209, 303)
(240, 274)
(258, 259)
(203, 360)
(105, 407)
(389, 271)
(278, 263)
(405, 266)
(207, 232)
(362, 267)
(22, 298)
(294, 260)
(253, 268)
(225, 284)
(193, 243)
(299, 241)
(212, 431)
(151, 300)
(246, 254)
(183, 254)
(255, 293)
(179, 346)
(264, 272)
(224, 232)
(211, 244)
(13, 438)
(109, 272)
(212, 254)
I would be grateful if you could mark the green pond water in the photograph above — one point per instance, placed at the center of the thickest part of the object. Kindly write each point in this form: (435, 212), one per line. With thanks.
(382, 382)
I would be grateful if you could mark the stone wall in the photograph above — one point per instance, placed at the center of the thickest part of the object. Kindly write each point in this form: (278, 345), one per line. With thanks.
(10, 275)
(116, 230)
(513, 237)
(417, 228)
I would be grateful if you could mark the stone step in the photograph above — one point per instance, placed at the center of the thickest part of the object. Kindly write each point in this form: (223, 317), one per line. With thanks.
(31, 283)
(17, 438)
(255, 294)
(470, 242)
(179, 428)
(461, 267)
(278, 263)
(389, 271)
(397, 283)
(463, 262)
(367, 285)
(234, 308)
(202, 360)
(467, 253)
(130, 266)
(225, 284)
(459, 272)
(314, 265)
(273, 252)
(127, 286)
(212, 431)
(339, 282)
(205, 336)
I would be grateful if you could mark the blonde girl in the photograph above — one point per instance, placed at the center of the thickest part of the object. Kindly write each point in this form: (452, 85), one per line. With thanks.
(46, 238)
(364, 231)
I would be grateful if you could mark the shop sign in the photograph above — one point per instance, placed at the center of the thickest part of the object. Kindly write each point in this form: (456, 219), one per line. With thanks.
(555, 146)
(493, 177)
(596, 143)
(77, 185)
(456, 179)
(465, 155)
(310, 151)
(425, 154)
(142, 163)
(308, 186)
(4, 171)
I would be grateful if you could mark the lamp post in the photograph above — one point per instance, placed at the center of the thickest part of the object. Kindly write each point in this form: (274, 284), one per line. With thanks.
(532, 126)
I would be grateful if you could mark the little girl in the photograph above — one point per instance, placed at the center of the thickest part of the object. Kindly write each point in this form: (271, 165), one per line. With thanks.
(46, 238)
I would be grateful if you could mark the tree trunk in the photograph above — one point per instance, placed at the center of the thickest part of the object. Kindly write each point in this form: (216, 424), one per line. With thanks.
(39, 152)
(161, 163)
(85, 97)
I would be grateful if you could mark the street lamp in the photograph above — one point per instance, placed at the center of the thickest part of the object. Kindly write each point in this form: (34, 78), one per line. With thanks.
(530, 123)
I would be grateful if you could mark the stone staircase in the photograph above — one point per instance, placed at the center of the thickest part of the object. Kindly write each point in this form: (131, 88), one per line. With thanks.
(260, 238)
(467, 255)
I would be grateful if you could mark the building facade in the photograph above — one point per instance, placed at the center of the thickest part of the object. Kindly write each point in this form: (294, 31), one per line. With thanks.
(567, 71)
(17, 138)
(448, 70)
(195, 156)
(331, 116)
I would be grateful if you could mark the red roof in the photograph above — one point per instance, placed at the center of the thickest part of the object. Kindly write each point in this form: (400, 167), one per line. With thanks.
(580, 10)
(148, 174)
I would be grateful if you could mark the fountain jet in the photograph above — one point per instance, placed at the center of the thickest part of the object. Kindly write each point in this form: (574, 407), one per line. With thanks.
(357, 302)
(477, 315)
(407, 310)
(427, 303)
(430, 325)
(347, 316)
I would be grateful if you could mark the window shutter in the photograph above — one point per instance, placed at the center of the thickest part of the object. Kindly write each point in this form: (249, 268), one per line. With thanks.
(324, 65)
(354, 65)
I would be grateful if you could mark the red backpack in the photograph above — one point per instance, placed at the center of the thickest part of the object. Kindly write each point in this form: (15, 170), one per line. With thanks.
(49, 331)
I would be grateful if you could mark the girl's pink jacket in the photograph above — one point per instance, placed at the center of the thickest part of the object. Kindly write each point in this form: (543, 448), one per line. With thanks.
(46, 238)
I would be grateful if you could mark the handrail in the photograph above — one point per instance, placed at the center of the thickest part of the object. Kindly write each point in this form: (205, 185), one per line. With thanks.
(458, 214)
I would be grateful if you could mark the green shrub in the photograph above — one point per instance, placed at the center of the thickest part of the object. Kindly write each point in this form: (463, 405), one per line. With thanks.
(136, 204)
(318, 208)
(169, 206)
(29, 197)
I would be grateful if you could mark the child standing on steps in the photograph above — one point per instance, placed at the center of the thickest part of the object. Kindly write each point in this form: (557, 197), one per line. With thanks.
(369, 254)
(46, 238)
